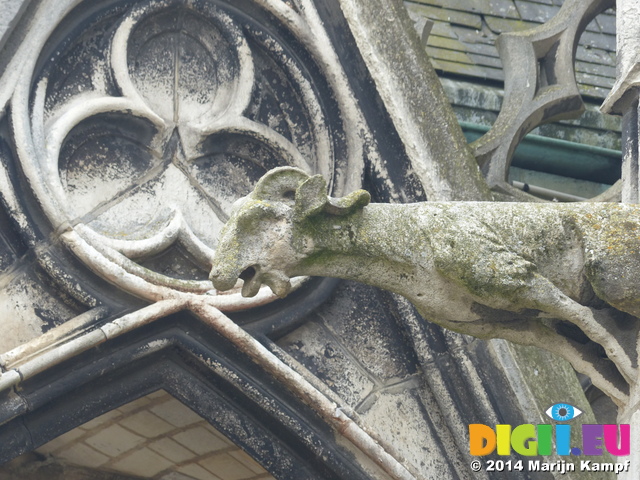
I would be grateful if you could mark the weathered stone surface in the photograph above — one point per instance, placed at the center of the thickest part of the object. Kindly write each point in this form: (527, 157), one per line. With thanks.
(28, 308)
(546, 54)
(624, 92)
(400, 418)
(8, 16)
(327, 359)
(623, 98)
(412, 95)
(360, 320)
(139, 116)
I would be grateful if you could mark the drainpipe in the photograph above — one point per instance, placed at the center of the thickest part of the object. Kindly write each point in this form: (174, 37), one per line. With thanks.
(559, 157)
(630, 172)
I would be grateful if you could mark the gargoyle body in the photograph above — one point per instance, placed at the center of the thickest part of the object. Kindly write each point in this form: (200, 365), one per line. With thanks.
(484, 268)
(446, 258)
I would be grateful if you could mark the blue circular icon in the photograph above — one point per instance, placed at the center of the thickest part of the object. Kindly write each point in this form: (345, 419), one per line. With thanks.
(563, 412)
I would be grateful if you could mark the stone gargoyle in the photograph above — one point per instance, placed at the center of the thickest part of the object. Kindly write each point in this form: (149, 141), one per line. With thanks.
(520, 271)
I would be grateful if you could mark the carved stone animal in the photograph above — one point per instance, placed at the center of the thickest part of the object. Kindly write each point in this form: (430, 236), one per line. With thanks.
(460, 263)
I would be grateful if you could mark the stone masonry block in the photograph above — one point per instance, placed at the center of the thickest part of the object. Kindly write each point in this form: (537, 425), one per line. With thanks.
(83, 455)
(147, 424)
(201, 441)
(325, 357)
(144, 463)
(172, 450)
(358, 317)
(227, 467)
(114, 440)
(176, 413)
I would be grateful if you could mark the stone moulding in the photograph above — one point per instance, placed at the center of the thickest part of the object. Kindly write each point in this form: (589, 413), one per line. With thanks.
(184, 356)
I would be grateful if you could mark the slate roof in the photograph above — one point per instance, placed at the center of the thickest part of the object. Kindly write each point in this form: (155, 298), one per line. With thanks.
(462, 40)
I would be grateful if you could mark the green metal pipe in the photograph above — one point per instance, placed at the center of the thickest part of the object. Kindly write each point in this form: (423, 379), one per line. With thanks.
(559, 157)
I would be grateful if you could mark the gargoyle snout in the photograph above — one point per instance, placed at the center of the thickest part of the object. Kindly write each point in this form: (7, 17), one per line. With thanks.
(223, 279)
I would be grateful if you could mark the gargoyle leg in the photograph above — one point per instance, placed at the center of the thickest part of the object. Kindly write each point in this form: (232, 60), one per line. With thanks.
(546, 297)
(603, 374)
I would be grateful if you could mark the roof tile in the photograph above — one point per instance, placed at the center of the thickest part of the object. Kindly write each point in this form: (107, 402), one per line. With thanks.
(453, 17)
(485, 73)
(594, 26)
(498, 8)
(444, 29)
(607, 21)
(468, 35)
(536, 12)
(500, 25)
(596, 69)
(450, 55)
(501, 8)
(464, 34)
(483, 49)
(446, 43)
(594, 80)
(595, 55)
(485, 60)
(602, 41)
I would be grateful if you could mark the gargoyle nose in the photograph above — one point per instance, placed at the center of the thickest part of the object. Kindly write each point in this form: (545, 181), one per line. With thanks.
(217, 277)
(222, 280)
(214, 274)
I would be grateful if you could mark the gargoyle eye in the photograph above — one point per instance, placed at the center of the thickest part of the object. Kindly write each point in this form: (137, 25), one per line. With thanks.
(289, 194)
(563, 412)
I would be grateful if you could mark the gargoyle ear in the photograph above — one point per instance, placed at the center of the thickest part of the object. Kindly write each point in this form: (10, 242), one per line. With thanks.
(348, 204)
(249, 217)
(279, 184)
(311, 197)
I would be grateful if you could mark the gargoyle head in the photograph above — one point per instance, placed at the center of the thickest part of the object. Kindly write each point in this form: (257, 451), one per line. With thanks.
(257, 244)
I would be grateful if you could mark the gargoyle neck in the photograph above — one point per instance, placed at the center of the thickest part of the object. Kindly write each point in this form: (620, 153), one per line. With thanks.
(374, 245)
